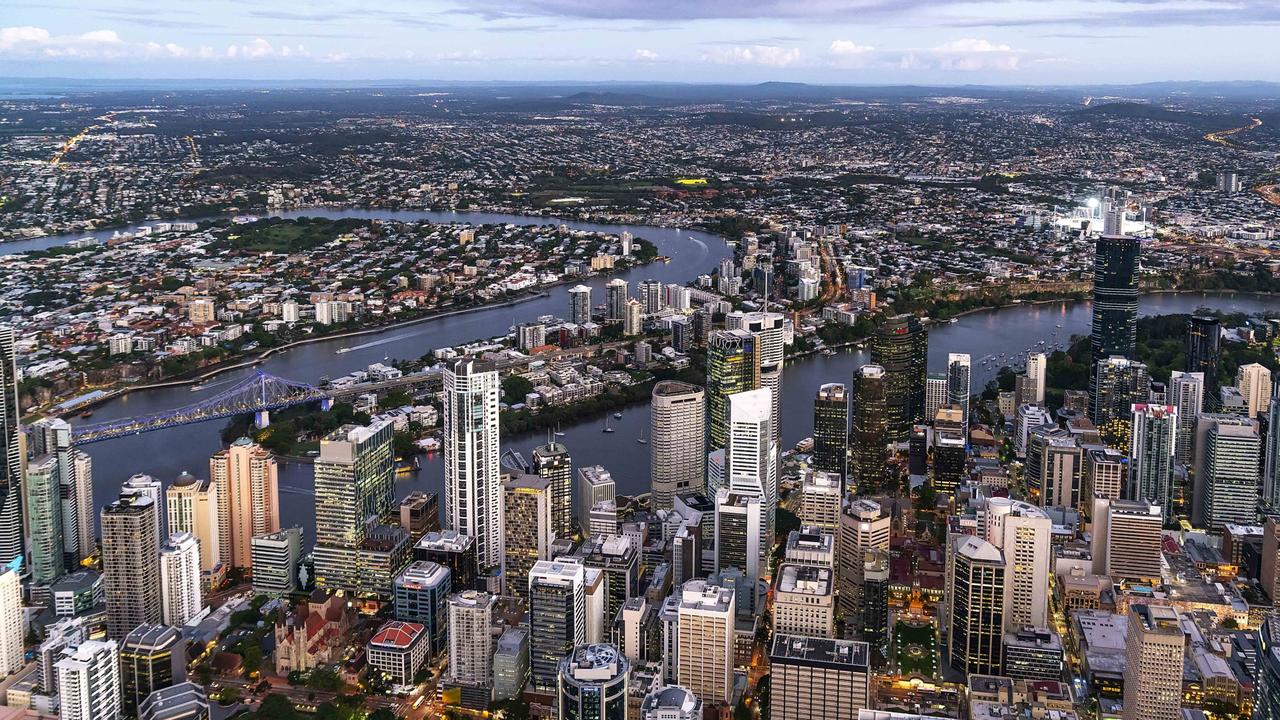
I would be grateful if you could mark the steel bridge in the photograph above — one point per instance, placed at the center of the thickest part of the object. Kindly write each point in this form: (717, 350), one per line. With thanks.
(258, 393)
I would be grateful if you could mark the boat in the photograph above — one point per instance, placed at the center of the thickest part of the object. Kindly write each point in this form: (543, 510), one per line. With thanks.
(617, 416)
(343, 350)
(606, 426)
(86, 413)
(828, 352)
(642, 439)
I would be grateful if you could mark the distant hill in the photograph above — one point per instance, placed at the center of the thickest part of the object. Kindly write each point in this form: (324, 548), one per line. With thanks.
(1202, 122)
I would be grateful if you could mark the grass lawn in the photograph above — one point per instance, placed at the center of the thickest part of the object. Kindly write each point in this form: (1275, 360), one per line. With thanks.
(914, 649)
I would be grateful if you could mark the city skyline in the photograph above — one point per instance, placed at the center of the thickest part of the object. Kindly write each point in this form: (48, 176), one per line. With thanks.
(832, 42)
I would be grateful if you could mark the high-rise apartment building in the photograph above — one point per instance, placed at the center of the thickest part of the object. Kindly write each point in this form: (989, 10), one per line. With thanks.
(820, 499)
(247, 482)
(43, 492)
(831, 429)
(1271, 455)
(130, 564)
(935, 394)
(89, 682)
(192, 506)
(1186, 393)
(1037, 373)
(1104, 475)
(1255, 384)
(1204, 353)
(471, 637)
(557, 617)
(650, 294)
(354, 480)
(59, 500)
(143, 485)
(12, 635)
(616, 294)
(595, 485)
(1151, 455)
(1118, 384)
(976, 605)
(677, 441)
(770, 332)
(632, 318)
(526, 530)
(818, 678)
(705, 629)
(276, 557)
(553, 463)
(11, 522)
(868, 429)
(180, 579)
(958, 389)
(901, 347)
(580, 304)
(1153, 655)
(473, 490)
(733, 366)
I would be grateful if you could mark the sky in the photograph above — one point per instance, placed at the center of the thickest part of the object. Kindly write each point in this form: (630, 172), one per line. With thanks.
(1013, 42)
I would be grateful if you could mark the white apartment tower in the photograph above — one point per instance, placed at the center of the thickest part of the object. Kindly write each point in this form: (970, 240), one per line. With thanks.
(751, 457)
(1022, 532)
(180, 579)
(12, 637)
(473, 490)
(89, 682)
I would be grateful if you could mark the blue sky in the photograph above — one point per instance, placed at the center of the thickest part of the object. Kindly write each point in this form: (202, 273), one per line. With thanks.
(829, 41)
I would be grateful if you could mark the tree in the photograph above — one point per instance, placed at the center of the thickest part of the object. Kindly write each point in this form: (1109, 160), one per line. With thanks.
(276, 707)
(515, 388)
(324, 679)
(382, 714)
(228, 696)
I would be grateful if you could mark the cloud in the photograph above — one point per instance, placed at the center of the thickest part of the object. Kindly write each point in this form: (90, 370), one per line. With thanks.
(769, 55)
(971, 54)
(849, 47)
(646, 55)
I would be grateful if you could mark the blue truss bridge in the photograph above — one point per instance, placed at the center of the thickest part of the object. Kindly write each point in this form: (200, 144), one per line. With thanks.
(259, 394)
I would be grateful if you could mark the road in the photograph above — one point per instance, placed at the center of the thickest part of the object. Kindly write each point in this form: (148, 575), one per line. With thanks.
(1220, 137)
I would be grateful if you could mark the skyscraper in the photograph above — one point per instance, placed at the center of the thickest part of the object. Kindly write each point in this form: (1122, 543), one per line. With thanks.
(1204, 339)
(751, 457)
(1115, 297)
(831, 430)
(868, 428)
(1037, 372)
(677, 441)
(580, 304)
(180, 579)
(769, 330)
(12, 637)
(958, 373)
(557, 618)
(1118, 384)
(44, 519)
(818, 678)
(1151, 455)
(1254, 381)
(130, 564)
(1186, 393)
(1153, 664)
(616, 296)
(733, 366)
(1226, 470)
(247, 482)
(422, 596)
(592, 684)
(473, 490)
(632, 318)
(354, 478)
(705, 641)
(976, 605)
(1271, 464)
(650, 292)
(864, 526)
(59, 499)
(1126, 540)
(11, 524)
(553, 463)
(193, 507)
(470, 638)
(935, 394)
(526, 530)
(901, 347)
(1022, 533)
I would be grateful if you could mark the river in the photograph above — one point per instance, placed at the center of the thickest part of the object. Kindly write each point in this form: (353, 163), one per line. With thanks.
(166, 453)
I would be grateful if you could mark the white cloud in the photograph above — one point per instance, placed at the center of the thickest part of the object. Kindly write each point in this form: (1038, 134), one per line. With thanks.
(646, 55)
(771, 55)
(971, 54)
(849, 47)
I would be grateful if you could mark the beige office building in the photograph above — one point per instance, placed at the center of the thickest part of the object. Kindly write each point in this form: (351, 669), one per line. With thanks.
(678, 444)
(820, 498)
(863, 526)
(705, 639)
(130, 564)
(192, 506)
(818, 679)
(246, 479)
(1153, 664)
(804, 601)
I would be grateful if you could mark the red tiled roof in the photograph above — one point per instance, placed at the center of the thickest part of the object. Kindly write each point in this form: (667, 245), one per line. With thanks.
(397, 634)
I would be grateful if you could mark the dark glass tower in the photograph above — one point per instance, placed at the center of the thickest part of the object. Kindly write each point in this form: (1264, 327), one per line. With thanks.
(1203, 352)
(831, 429)
(1115, 297)
(868, 428)
(901, 347)
(11, 530)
